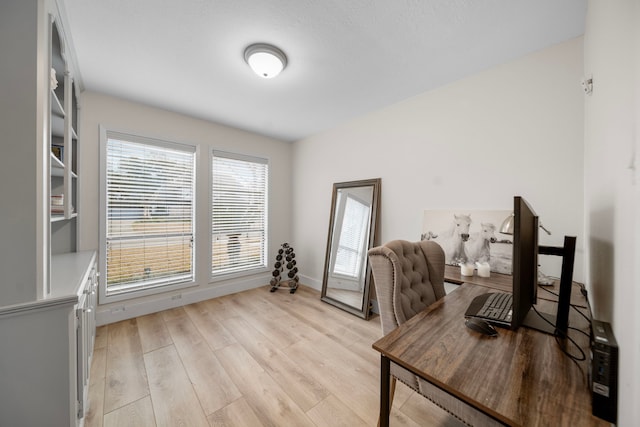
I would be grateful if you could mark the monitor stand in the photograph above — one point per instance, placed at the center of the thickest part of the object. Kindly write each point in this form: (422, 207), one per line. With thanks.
(559, 324)
(546, 324)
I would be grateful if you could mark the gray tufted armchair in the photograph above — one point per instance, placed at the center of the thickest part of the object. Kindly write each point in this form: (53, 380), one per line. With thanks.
(409, 276)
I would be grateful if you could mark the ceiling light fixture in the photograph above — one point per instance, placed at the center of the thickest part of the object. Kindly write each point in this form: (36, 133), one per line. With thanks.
(265, 60)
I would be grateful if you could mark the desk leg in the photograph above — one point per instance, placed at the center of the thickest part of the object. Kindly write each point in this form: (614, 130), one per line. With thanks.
(385, 374)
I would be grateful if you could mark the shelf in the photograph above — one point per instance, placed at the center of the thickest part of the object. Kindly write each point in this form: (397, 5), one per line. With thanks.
(56, 165)
(63, 138)
(59, 172)
(61, 217)
(57, 127)
(56, 106)
(57, 217)
(57, 168)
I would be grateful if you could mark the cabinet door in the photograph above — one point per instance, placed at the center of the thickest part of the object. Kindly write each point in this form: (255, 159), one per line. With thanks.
(85, 337)
(93, 304)
(82, 356)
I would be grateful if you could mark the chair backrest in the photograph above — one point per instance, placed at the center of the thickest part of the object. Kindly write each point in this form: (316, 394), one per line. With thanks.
(408, 276)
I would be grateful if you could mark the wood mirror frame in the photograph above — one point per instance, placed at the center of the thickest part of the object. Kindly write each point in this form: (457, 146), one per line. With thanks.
(347, 275)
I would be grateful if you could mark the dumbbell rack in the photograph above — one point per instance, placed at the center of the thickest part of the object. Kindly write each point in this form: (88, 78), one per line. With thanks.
(285, 258)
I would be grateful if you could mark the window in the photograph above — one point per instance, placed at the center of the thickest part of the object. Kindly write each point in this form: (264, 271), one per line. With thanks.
(238, 213)
(353, 237)
(149, 201)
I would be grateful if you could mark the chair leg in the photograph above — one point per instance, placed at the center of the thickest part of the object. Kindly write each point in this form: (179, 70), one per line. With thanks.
(392, 391)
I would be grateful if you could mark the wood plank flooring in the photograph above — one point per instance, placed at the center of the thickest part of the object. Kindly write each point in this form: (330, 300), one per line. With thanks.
(250, 359)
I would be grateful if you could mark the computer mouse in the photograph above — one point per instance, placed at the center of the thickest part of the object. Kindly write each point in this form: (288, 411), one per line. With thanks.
(482, 326)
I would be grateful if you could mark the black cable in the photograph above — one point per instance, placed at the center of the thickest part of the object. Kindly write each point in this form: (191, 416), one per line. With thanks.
(585, 294)
(586, 334)
(574, 306)
(580, 358)
(582, 353)
(575, 359)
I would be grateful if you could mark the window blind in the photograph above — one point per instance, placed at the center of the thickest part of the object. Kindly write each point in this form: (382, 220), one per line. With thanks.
(238, 213)
(150, 214)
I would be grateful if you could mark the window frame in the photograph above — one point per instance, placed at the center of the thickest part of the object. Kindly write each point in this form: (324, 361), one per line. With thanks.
(104, 296)
(217, 277)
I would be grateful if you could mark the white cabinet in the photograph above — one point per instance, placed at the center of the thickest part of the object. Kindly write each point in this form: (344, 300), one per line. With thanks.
(38, 119)
(46, 349)
(47, 287)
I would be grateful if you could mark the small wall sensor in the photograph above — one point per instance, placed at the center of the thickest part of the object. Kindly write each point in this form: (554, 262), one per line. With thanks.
(587, 85)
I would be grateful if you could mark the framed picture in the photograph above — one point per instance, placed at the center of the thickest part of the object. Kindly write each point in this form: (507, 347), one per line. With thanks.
(57, 151)
(470, 236)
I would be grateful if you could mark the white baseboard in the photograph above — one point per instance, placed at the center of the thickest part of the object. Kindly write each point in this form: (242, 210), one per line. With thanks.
(311, 283)
(128, 310)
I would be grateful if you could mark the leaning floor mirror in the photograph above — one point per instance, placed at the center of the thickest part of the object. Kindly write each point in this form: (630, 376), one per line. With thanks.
(352, 232)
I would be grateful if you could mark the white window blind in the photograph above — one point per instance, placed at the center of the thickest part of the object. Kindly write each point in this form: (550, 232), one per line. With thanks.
(353, 238)
(239, 213)
(150, 213)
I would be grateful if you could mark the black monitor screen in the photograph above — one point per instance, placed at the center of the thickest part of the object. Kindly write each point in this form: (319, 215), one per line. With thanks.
(525, 278)
(525, 260)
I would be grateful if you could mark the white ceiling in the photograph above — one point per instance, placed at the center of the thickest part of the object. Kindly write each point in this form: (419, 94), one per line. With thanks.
(346, 57)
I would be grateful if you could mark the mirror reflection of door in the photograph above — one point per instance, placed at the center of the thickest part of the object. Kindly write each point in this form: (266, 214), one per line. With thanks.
(353, 220)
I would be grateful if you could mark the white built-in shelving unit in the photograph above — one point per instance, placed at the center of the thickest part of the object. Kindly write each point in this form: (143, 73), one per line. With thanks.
(49, 287)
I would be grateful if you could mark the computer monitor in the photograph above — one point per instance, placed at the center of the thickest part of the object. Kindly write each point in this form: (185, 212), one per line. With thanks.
(520, 311)
(525, 274)
(525, 261)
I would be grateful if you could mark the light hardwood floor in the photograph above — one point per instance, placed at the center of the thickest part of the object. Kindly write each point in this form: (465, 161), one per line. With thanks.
(251, 359)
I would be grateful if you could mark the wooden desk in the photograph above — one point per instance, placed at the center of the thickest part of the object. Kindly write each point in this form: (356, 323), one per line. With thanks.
(503, 283)
(520, 378)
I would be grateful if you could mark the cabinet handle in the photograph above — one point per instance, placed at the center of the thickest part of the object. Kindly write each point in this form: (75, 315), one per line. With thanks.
(87, 310)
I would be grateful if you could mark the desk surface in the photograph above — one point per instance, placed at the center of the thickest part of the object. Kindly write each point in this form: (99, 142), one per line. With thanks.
(503, 282)
(521, 377)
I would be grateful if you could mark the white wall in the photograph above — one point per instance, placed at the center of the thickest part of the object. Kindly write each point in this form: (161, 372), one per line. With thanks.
(23, 185)
(516, 129)
(612, 197)
(118, 114)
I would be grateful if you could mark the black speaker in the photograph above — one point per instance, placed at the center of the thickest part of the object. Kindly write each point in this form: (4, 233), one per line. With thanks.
(604, 372)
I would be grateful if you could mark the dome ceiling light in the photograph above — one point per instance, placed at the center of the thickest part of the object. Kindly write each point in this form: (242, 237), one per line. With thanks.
(265, 60)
